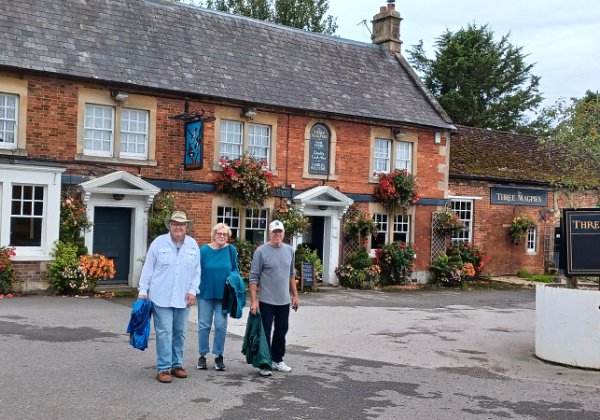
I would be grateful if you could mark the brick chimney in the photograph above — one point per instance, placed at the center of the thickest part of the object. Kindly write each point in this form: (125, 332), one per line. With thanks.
(386, 27)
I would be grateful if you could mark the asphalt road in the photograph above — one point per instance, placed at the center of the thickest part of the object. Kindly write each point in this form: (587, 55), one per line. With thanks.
(435, 354)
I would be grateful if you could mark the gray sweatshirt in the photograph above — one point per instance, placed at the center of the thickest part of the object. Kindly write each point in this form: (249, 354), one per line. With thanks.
(271, 270)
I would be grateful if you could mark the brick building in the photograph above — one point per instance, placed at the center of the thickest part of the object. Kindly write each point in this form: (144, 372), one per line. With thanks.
(496, 176)
(92, 96)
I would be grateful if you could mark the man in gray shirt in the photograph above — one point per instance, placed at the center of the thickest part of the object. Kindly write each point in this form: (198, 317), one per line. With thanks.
(273, 271)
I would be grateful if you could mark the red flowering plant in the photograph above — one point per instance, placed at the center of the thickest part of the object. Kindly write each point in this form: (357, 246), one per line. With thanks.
(396, 190)
(396, 262)
(7, 272)
(73, 221)
(247, 180)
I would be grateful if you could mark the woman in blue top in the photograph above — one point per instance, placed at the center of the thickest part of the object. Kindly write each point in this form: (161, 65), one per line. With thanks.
(216, 263)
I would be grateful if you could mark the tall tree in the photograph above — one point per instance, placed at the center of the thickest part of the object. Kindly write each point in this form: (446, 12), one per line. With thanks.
(480, 82)
(309, 15)
(574, 128)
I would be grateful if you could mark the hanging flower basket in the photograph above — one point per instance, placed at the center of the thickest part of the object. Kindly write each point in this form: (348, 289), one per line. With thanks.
(294, 221)
(358, 224)
(519, 228)
(396, 190)
(246, 180)
(447, 222)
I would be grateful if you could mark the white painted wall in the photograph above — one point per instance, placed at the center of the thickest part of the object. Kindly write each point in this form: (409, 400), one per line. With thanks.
(567, 326)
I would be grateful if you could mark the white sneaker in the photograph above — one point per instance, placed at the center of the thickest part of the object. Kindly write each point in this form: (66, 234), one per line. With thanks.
(265, 372)
(282, 367)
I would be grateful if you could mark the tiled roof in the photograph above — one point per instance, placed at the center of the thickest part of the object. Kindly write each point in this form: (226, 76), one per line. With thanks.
(490, 154)
(174, 47)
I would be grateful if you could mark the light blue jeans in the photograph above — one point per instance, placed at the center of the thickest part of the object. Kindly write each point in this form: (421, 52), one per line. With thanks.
(207, 310)
(170, 325)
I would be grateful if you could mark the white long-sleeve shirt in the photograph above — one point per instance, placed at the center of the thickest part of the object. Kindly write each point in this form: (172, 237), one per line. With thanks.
(168, 274)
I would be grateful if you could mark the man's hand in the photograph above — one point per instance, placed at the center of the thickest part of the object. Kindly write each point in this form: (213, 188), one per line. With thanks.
(253, 307)
(190, 299)
(142, 297)
(295, 303)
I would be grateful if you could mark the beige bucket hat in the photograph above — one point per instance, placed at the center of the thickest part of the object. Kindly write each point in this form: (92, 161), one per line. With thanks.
(179, 217)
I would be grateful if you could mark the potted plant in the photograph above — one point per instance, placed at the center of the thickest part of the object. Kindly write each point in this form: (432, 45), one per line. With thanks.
(447, 222)
(519, 227)
(246, 180)
(396, 190)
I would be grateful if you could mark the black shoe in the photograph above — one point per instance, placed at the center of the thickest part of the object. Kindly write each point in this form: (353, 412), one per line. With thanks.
(201, 363)
(219, 365)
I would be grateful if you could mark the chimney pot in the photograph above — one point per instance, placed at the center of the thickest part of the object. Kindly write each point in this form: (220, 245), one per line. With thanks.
(382, 9)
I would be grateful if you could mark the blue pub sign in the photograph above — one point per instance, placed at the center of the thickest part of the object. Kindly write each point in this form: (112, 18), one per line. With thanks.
(518, 196)
(581, 229)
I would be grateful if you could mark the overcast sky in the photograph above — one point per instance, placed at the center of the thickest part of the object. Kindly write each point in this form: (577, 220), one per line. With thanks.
(561, 36)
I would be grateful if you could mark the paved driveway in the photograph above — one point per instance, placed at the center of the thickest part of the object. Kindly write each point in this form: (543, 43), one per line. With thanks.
(356, 355)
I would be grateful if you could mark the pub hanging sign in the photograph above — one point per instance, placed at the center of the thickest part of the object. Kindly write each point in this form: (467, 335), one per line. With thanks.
(518, 196)
(318, 151)
(581, 232)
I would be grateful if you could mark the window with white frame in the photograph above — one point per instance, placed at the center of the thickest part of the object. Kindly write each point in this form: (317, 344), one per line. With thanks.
(253, 220)
(134, 133)
(381, 235)
(404, 155)
(532, 240)
(464, 209)
(256, 225)
(401, 228)
(26, 215)
(398, 231)
(101, 132)
(382, 155)
(384, 150)
(233, 141)
(9, 117)
(231, 217)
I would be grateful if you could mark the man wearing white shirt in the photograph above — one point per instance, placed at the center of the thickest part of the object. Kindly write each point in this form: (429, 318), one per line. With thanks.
(170, 279)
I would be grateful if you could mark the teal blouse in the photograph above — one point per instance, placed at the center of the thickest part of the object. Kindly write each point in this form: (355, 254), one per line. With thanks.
(215, 267)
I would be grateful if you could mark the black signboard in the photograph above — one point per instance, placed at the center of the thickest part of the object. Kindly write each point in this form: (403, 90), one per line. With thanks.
(318, 151)
(518, 196)
(307, 275)
(581, 231)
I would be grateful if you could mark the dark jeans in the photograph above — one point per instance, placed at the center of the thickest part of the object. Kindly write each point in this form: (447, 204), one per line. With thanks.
(280, 315)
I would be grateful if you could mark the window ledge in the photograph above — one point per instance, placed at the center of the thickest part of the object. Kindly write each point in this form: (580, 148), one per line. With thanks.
(13, 152)
(138, 162)
(216, 167)
(331, 177)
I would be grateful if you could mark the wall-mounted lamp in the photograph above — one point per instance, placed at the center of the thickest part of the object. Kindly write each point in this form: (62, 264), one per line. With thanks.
(398, 133)
(118, 197)
(322, 208)
(119, 95)
(438, 138)
(249, 112)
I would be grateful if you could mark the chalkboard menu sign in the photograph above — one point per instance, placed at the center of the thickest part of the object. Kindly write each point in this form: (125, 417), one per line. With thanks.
(308, 275)
(318, 151)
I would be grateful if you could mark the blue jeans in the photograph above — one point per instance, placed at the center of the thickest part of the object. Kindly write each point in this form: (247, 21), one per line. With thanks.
(207, 309)
(170, 325)
(278, 315)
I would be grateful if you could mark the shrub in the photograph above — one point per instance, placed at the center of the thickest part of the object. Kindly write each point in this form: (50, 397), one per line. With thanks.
(359, 278)
(7, 272)
(73, 220)
(451, 269)
(396, 262)
(305, 254)
(360, 259)
(162, 207)
(524, 274)
(94, 268)
(63, 272)
(469, 253)
(245, 251)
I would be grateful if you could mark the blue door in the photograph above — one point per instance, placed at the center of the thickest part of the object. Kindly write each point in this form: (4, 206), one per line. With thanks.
(112, 238)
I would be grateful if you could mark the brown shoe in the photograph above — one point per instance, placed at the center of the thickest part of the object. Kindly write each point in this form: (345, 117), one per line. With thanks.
(179, 372)
(164, 377)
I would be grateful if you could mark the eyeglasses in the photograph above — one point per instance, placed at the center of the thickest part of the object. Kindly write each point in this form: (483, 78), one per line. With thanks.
(223, 235)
